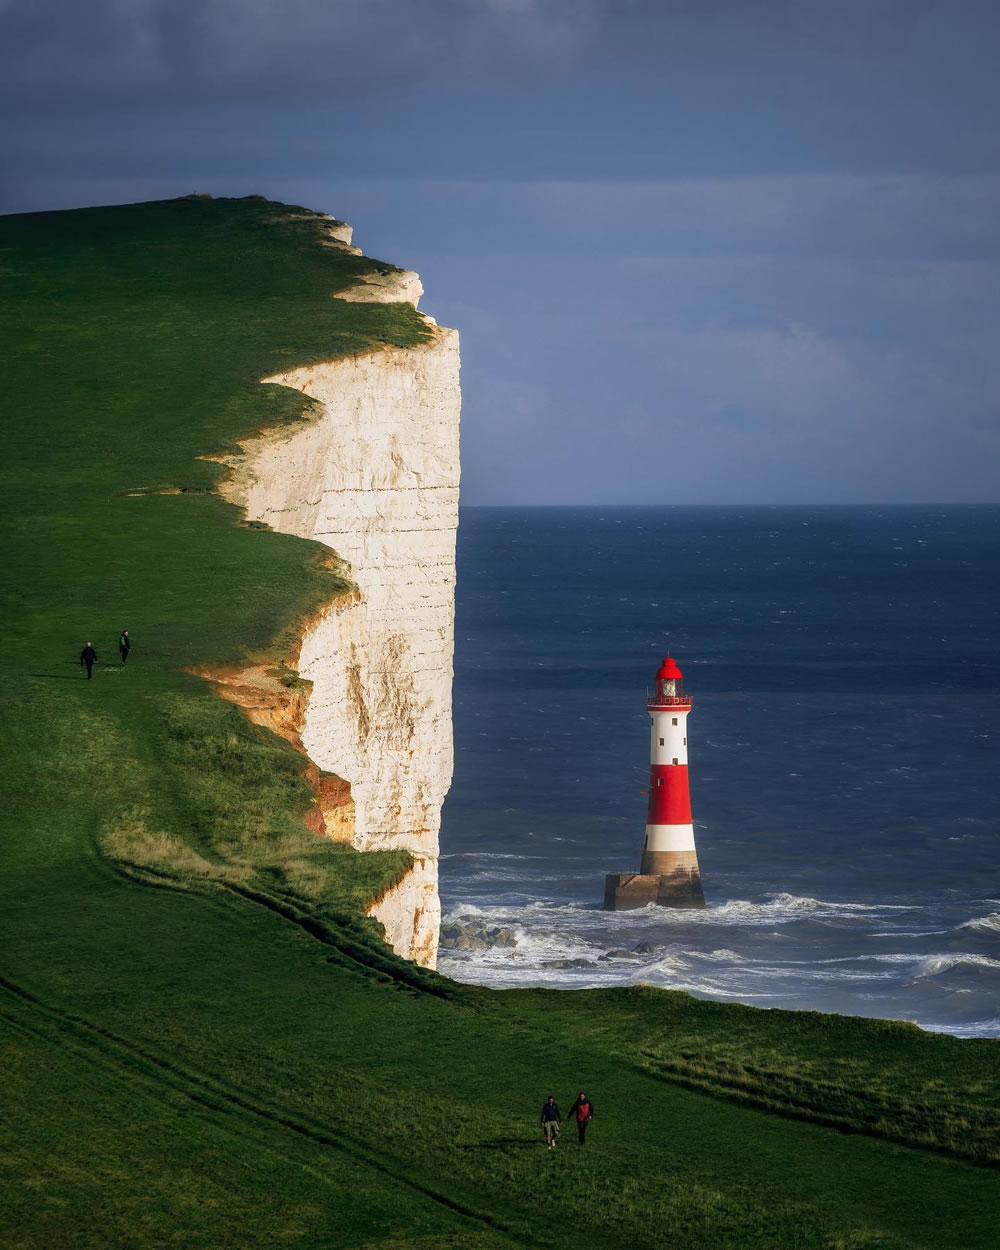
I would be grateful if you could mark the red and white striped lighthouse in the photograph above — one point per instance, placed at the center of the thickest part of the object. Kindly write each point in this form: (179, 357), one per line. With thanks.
(669, 873)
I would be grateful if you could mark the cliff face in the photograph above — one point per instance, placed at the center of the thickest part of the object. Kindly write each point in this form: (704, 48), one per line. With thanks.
(374, 475)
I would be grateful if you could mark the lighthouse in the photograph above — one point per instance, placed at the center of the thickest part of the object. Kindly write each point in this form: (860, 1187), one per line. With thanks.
(668, 873)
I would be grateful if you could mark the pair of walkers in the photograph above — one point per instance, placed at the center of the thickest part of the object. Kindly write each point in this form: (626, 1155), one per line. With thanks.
(88, 656)
(582, 1111)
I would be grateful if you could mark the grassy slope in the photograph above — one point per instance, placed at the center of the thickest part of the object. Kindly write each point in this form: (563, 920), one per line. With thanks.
(240, 1063)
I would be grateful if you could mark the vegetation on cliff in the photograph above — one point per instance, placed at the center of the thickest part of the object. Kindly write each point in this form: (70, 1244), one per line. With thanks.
(204, 1041)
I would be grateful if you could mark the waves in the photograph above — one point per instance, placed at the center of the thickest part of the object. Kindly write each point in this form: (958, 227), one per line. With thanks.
(780, 907)
(985, 924)
(938, 964)
(891, 958)
(774, 909)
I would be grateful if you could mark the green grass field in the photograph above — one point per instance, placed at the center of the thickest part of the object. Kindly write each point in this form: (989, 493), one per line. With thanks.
(204, 1042)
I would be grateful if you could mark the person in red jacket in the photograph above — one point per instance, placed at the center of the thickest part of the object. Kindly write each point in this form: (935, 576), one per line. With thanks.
(583, 1112)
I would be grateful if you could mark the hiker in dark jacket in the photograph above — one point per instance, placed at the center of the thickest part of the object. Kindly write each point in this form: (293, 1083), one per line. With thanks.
(88, 656)
(124, 645)
(583, 1112)
(551, 1120)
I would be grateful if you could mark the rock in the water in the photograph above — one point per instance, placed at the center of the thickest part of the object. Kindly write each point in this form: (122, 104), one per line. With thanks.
(644, 948)
(569, 963)
(464, 937)
(618, 953)
(473, 935)
(454, 938)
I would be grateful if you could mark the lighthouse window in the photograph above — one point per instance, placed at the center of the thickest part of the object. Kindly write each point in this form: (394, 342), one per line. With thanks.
(661, 742)
(685, 741)
(675, 759)
(673, 720)
(659, 781)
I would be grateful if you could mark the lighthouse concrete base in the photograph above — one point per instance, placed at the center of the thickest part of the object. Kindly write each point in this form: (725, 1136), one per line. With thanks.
(624, 891)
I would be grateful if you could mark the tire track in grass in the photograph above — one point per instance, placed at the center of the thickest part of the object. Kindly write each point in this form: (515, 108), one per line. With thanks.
(123, 1058)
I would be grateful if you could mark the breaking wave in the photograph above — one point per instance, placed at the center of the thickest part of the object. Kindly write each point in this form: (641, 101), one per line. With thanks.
(776, 908)
(782, 906)
(936, 964)
(985, 924)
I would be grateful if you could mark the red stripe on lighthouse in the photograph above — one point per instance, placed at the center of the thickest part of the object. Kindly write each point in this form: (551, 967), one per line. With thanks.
(669, 797)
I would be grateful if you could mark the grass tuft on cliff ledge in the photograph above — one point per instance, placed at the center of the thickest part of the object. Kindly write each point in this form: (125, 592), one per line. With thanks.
(204, 1042)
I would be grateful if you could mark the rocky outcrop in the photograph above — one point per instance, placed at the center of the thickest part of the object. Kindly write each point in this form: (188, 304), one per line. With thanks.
(397, 286)
(474, 935)
(374, 475)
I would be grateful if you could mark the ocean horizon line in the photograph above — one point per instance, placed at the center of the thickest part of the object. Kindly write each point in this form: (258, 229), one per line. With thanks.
(676, 507)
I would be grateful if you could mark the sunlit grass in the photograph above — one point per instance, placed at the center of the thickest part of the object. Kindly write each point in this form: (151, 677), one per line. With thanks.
(205, 1042)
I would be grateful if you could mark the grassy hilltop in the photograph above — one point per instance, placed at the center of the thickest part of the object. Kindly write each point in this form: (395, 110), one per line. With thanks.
(205, 1044)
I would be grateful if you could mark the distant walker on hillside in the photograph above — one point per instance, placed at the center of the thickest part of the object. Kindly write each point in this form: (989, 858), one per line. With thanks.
(88, 657)
(124, 645)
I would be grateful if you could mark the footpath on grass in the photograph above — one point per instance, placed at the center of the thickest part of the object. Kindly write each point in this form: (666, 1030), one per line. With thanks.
(228, 1056)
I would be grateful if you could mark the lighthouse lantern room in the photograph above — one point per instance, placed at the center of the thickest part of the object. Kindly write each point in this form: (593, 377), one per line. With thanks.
(668, 873)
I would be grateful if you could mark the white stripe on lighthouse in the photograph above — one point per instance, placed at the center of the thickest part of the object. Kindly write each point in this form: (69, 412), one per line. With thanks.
(668, 742)
(669, 838)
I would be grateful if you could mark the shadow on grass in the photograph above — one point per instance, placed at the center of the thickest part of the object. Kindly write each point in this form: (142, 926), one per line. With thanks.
(507, 1143)
(60, 676)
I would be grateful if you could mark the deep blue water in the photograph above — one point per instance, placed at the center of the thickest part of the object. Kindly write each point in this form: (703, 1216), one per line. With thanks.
(845, 670)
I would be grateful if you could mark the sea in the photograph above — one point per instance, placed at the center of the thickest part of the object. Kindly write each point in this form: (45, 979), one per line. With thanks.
(844, 666)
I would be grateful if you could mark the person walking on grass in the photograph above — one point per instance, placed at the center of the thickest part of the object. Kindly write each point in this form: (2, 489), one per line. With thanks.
(124, 645)
(551, 1120)
(88, 656)
(583, 1112)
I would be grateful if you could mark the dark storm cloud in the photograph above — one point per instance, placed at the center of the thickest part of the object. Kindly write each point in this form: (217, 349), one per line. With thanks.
(56, 49)
(517, 88)
(755, 241)
(61, 48)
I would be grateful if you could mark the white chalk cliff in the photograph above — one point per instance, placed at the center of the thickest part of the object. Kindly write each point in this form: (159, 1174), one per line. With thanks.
(374, 475)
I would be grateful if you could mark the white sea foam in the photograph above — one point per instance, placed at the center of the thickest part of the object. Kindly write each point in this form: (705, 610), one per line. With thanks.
(673, 962)
(984, 924)
(854, 959)
(490, 855)
(978, 1028)
(666, 979)
(934, 965)
(727, 955)
(910, 933)
(778, 909)
(749, 966)
(541, 947)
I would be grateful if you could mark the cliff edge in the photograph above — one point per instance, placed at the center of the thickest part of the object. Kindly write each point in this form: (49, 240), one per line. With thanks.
(374, 476)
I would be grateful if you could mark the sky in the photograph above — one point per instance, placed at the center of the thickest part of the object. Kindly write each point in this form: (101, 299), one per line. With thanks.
(698, 251)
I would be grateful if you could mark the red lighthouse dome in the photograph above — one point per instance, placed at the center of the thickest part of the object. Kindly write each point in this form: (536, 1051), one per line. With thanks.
(669, 685)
